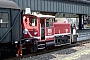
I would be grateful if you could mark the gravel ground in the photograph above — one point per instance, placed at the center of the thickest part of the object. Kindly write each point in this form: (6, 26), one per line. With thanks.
(72, 53)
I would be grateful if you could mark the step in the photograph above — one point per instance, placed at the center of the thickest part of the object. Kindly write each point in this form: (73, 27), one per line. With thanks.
(23, 48)
(57, 45)
(41, 45)
(42, 41)
(41, 48)
(63, 44)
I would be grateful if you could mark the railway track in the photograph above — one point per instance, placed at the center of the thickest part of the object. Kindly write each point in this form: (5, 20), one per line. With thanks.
(48, 50)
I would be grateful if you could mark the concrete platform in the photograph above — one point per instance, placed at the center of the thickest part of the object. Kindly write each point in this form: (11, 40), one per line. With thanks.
(83, 34)
(83, 31)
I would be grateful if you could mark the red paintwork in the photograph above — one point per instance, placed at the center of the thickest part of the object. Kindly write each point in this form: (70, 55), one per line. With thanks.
(27, 26)
(49, 33)
(60, 28)
(49, 39)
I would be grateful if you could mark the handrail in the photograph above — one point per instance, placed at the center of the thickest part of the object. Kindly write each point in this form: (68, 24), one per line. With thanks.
(10, 27)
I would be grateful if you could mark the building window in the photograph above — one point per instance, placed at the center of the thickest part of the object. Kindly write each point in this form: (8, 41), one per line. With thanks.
(4, 20)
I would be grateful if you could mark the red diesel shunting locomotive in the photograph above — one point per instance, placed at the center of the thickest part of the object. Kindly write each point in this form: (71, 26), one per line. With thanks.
(45, 31)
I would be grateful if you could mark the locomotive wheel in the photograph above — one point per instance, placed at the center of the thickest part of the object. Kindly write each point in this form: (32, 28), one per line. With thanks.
(31, 45)
(35, 46)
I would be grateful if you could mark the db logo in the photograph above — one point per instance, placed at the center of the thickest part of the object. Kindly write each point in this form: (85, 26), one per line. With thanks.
(49, 30)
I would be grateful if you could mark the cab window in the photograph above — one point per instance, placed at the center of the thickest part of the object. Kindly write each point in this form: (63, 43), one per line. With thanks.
(33, 22)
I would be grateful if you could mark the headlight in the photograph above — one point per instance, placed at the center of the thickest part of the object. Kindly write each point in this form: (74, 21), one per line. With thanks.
(27, 40)
(16, 42)
(35, 33)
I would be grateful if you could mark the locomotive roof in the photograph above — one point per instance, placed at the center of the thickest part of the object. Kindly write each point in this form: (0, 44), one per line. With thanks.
(8, 4)
(40, 15)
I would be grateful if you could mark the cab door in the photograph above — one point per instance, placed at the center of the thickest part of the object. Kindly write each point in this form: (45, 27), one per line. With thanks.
(49, 29)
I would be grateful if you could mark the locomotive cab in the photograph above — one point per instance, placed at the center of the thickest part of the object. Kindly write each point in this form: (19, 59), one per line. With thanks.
(38, 26)
(30, 26)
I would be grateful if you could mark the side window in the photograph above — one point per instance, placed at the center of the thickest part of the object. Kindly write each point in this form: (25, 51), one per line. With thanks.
(4, 20)
(49, 22)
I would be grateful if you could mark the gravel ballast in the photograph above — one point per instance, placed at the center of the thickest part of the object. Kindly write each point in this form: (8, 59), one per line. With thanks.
(72, 53)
